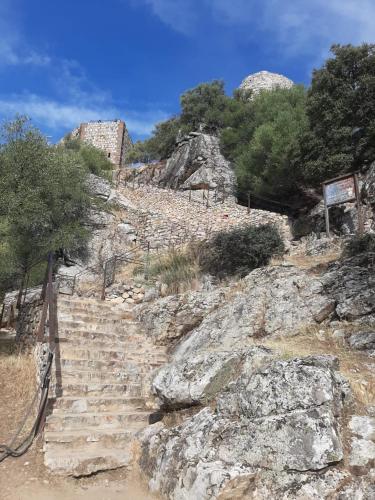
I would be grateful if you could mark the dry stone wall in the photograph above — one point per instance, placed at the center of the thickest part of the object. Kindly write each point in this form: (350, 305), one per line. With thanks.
(166, 218)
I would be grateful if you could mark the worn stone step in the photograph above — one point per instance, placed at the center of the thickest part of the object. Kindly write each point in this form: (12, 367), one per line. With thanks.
(110, 353)
(112, 366)
(118, 326)
(90, 439)
(82, 335)
(74, 404)
(109, 319)
(60, 420)
(95, 311)
(81, 389)
(83, 463)
(110, 377)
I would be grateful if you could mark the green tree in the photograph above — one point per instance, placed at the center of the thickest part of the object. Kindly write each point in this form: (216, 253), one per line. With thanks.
(265, 136)
(204, 104)
(44, 201)
(92, 158)
(341, 111)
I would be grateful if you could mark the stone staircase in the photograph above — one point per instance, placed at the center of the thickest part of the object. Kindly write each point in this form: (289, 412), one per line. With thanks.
(102, 371)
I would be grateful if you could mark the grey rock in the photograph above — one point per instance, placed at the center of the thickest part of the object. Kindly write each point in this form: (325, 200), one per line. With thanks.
(281, 417)
(273, 300)
(351, 283)
(363, 441)
(172, 317)
(265, 81)
(197, 163)
(363, 341)
(198, 378)
(98, 186)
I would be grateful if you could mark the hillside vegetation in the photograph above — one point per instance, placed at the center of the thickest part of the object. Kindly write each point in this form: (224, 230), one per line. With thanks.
(284, 142)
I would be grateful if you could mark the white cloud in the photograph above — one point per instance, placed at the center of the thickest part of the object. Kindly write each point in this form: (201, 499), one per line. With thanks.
(14, 51)
(57, 115)
(294, 25)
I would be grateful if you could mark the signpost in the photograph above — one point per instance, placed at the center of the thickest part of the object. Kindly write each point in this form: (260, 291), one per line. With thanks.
(340, 190)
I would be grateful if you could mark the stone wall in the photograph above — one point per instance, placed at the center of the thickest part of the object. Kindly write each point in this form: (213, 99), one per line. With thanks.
(166, 218)
(28, 322)
(111, 137)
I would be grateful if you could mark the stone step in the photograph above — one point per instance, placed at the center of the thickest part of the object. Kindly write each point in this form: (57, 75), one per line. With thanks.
(85, 336)
(96, 311)
(107, 319)
(118, 326)
(60, 420)
(82, 389)
(130, 366)
(90, 439)
(110, 377)
(83, 463)
(122, 353)
(74, 404)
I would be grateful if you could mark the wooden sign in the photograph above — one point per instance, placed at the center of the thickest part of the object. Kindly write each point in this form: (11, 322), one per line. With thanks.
(342, 190)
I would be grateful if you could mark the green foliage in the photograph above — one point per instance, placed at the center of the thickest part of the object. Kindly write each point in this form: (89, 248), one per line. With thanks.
(360, 244)
(159, 146)
(265, 163)
(239, 251)
(44, 202)
(205, 104)
(341, 110)
(92, 159)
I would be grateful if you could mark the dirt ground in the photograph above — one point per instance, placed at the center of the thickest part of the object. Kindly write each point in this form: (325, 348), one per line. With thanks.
(26, 478)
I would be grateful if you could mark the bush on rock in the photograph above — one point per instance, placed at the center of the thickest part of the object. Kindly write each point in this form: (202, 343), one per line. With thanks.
(239, 251)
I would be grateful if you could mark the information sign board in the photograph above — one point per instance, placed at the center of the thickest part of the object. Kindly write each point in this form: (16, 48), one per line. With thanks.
(340, 191)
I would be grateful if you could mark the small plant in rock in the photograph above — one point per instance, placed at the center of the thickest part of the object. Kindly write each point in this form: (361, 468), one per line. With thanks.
(360, 244)
(239, 251)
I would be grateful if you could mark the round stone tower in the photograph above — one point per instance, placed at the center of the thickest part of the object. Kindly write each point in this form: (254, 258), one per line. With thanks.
(264, 80)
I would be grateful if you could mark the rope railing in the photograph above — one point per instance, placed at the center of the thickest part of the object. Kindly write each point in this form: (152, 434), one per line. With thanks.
(48, 296)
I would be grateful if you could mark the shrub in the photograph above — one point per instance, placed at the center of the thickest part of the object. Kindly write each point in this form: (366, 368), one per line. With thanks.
(360, 244)
(239, 251)
(177, 268)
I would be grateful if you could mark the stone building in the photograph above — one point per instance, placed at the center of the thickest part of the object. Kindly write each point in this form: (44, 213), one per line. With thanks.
(111, 136)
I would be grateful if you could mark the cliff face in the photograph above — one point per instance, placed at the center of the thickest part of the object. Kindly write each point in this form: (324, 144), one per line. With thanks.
(197, 163)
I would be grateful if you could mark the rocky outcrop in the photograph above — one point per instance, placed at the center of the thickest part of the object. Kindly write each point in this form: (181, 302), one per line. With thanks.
(197, 163)
(281, 417)
(351, 284)
(169, 318)
(264, 80)
(281, 299)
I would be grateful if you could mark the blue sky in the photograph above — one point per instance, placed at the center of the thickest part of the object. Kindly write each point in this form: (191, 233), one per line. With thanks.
(62, 63)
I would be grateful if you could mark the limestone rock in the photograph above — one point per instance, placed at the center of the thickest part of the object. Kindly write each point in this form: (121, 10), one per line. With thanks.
(363, 442)
(264, 80)
(198, 378)
(363, 341)
(197, 163)
(281, 417)
(351, 283)
(171, 317)
(98, 186)
(274, 300)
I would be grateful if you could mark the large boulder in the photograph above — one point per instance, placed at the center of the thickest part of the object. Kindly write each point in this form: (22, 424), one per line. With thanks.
(197, 163)
(264, 80)
(283, 416)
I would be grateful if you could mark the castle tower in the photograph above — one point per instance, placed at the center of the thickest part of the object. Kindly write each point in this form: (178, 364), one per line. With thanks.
(112, 137)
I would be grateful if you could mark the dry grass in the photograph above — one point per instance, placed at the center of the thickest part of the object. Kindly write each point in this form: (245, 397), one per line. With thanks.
(178, 269)
(307, 262)
(17, 387)
(357, 367)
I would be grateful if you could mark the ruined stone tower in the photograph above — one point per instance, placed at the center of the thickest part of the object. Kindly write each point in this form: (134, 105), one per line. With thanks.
(112, 137)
